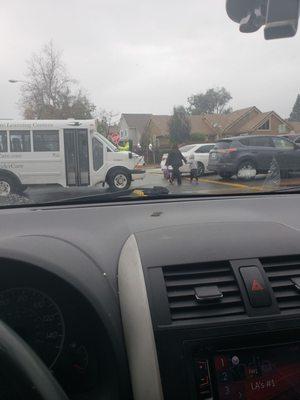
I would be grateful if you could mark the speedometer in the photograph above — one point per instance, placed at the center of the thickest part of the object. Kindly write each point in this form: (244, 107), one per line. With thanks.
(36, 318)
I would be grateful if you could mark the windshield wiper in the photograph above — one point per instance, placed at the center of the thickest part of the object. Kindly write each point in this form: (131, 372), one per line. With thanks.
(152, 192)
(290, 189)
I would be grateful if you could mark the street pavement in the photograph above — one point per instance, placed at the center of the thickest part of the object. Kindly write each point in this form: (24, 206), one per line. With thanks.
(213, 184)
(208, 184)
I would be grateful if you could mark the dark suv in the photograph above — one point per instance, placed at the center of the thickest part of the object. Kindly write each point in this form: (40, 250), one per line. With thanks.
(246, 156)
(293, 137)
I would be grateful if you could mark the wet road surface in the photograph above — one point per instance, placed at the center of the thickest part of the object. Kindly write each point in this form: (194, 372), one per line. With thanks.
(208, 184)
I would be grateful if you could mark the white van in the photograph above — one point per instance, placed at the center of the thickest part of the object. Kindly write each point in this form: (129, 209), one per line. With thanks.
(66, 153)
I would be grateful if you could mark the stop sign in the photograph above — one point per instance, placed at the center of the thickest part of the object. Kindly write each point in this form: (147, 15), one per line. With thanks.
(115, 137)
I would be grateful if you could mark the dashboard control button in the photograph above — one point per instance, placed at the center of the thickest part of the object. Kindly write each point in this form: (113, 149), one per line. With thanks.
(206, 294)
(296, 282)
(257, 290)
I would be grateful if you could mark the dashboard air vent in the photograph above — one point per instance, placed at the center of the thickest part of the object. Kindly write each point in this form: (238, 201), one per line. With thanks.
(184, 281)
(282, 271)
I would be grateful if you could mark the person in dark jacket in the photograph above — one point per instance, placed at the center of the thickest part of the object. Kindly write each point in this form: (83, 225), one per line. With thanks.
(175, 160)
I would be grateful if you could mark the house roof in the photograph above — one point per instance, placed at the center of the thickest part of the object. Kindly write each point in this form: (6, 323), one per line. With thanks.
(216, 121)
(138, 121)
(212, 124)
(199, 124)
(162, 123)
(223, 122)
(255, 122)
(235, 116)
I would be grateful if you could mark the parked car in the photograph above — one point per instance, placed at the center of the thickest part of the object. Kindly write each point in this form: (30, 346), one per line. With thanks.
(200, 152)
(294, 137)
(246, 156)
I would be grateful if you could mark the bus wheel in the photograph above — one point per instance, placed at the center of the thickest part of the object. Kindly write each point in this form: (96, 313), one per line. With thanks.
(7, 186)
(119, 180)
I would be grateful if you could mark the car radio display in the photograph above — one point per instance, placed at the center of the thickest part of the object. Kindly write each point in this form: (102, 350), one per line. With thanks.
(268, 373)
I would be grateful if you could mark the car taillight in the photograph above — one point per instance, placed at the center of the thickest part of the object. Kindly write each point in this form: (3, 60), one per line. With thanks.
(232, 150)
(227, 151)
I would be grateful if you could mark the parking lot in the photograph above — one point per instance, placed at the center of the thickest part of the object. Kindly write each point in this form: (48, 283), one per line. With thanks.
(214, 184)
(208, 184)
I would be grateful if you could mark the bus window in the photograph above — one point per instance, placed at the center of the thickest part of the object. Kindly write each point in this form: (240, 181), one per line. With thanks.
(19, 141)
(45, 141)
(3, 141)
(97, 154)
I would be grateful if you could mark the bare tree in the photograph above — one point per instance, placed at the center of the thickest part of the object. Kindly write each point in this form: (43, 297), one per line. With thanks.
(49, 92)
(105, 120)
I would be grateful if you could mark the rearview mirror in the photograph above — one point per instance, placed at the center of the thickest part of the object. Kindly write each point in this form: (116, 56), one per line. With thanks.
(280, 17)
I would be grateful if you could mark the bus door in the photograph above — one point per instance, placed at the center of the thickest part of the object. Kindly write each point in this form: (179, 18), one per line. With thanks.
(77, 157)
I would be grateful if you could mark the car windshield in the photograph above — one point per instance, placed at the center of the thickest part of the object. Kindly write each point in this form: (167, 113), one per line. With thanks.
(106, 97)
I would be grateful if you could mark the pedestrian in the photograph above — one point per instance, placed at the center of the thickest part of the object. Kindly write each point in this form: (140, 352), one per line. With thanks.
(175, 160)
(193, 168)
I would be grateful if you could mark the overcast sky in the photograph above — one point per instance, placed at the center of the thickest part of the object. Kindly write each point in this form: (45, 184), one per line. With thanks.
(142, 56)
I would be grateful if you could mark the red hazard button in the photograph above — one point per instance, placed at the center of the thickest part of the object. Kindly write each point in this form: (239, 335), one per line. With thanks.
(257, 289)
(256, 286)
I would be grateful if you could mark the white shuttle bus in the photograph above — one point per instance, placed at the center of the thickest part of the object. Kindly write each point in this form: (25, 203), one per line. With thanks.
(66, 153)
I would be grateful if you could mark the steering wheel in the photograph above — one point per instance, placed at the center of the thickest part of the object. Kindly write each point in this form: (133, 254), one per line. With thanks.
(28, 368)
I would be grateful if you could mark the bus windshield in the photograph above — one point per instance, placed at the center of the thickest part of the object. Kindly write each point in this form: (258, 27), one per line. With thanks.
(109, 144)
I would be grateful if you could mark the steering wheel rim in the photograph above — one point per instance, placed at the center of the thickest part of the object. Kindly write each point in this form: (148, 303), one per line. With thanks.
(16, 352)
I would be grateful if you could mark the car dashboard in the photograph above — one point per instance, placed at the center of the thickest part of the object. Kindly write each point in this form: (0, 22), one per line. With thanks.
(179, 299)
(55, 320)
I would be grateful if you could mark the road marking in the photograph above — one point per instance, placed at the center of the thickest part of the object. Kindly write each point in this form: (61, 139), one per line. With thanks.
(211, 181)
(235, 185)
(154, 171)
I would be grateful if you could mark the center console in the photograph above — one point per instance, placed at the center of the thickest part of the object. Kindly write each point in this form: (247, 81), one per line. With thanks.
(223, 326)
(224, 371)
(232, 364)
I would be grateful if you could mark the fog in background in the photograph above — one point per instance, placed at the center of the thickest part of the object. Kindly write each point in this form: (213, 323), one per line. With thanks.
(146, 56)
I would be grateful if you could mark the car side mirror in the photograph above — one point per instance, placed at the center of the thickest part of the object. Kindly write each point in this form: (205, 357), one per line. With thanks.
(130, 148)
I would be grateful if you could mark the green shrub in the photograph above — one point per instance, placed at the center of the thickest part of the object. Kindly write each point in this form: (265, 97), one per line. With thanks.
(198, 137)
